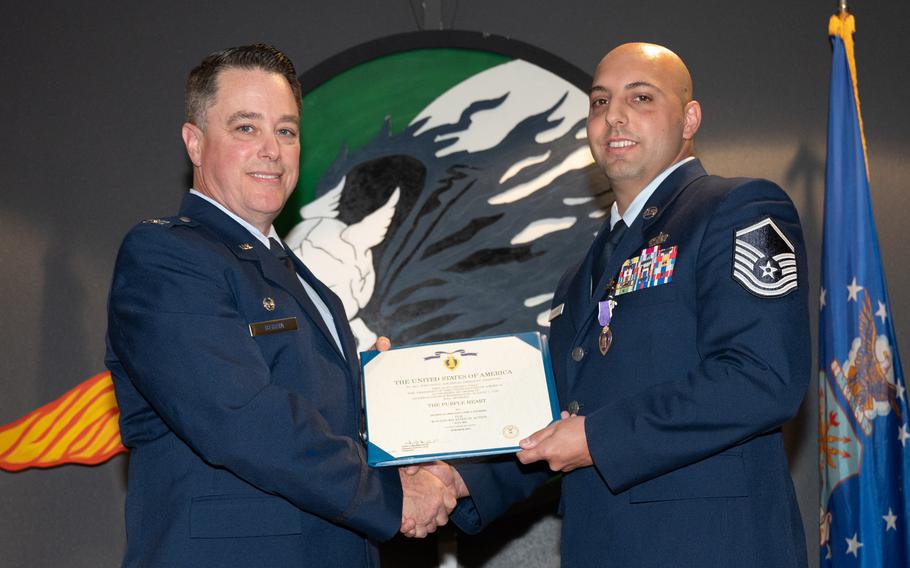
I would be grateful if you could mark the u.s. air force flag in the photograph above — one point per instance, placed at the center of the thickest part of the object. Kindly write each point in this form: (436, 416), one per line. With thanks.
(863, 416)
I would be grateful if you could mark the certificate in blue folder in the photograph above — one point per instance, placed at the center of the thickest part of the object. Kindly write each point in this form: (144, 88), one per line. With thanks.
(456, 399)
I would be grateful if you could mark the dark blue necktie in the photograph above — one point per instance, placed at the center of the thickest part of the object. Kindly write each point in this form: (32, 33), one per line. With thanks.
(602, 256)
(282, 255)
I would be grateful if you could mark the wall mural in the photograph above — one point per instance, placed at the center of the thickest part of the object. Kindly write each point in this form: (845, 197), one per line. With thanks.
(452, 184)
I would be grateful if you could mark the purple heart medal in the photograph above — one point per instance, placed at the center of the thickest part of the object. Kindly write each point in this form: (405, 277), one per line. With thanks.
(604, 315)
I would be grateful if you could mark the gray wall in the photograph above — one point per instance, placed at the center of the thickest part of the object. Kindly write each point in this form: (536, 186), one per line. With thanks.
(93, 103)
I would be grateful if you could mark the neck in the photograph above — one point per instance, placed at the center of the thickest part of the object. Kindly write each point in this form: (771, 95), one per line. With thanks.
(258, 222)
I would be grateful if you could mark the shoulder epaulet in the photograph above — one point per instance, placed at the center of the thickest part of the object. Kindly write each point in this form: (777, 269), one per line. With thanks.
(169, 221)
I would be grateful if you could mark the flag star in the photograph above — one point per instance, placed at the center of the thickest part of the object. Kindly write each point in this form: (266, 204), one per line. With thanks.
(853, 545)
(821, 298)
(768, 270)
(902, 435)
(900, 389)
(853, 289)
(881, 312)
(890, 520)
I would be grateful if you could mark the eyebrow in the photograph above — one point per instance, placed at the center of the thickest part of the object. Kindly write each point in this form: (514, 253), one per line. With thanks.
(639, 84)
(244, 115)
(290, 118)
(250, 115)
(628, 87)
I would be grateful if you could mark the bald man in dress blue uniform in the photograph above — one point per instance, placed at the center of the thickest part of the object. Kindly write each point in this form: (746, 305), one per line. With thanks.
(680, 345)
(234, 368)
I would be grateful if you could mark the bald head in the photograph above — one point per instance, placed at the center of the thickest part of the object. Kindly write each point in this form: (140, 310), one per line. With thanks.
(660, 60)
(642, 118)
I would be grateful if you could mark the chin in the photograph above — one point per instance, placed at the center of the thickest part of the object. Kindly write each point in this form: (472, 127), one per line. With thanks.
(272, 200)
(619, 171)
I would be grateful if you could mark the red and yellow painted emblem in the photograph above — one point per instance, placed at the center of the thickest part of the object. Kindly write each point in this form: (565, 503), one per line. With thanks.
(79, 427)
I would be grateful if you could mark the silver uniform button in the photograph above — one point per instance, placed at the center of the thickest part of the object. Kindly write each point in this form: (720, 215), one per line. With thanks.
(578, 354)
(574, 407)
(185, 219)
(268, 304)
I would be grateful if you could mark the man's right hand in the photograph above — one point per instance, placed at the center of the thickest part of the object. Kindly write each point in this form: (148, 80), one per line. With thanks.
(427, 502)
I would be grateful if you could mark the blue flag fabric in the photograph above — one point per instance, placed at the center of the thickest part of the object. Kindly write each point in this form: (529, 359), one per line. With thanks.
(864, 438)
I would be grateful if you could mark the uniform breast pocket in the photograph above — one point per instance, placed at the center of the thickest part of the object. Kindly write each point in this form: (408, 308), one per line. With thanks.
(722, 475)
(653, 296)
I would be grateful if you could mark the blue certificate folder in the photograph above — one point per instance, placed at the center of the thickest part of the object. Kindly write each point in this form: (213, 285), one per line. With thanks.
(456, 399)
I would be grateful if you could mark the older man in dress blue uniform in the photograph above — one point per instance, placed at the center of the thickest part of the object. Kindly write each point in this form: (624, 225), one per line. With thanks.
(680, 346)
(234, 368)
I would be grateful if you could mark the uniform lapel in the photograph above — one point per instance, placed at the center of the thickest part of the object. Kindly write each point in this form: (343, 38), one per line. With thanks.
(248, 248)
(580, 285)
(669, 190)
(336, 309)
(345, 336)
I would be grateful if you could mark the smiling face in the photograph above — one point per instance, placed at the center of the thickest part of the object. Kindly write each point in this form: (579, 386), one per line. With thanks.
(641, 117)
(248, 153)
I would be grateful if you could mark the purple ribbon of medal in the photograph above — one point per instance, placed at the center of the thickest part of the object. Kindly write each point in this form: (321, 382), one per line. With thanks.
(604, 312)
(604, 315)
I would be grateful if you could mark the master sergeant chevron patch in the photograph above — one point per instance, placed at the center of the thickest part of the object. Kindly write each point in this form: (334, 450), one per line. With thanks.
(764, 261)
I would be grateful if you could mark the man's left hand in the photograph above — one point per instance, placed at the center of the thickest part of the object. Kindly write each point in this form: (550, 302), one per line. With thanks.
(563, 445)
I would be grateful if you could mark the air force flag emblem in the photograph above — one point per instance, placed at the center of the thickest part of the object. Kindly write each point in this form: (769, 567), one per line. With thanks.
(764, 261)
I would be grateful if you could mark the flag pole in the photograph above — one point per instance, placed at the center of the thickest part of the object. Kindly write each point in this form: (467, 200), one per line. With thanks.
(843, 25)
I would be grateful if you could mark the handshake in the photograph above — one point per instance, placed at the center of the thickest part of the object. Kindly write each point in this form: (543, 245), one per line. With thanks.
(430, 493)
(431, 489)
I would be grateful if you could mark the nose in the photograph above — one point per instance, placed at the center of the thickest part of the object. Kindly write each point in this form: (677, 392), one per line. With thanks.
(269, 149)
(616, 114)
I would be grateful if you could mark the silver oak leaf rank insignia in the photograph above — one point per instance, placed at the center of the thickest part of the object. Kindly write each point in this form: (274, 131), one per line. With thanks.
(764, 260)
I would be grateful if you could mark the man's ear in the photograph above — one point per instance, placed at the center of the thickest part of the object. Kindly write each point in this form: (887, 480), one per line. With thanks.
(192, 139)
(692, 119)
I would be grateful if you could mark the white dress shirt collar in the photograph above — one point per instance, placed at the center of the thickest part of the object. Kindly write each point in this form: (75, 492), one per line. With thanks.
(639, 202)
(264, 239)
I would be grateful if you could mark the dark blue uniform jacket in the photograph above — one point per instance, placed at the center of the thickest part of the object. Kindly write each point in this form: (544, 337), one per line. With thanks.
(244, 450)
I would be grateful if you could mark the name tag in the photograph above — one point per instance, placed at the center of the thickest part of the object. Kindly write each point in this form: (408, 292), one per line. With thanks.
(556, 312)
(273, 326)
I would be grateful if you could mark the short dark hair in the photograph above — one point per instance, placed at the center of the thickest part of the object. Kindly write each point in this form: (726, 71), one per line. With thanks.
(202, 82)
